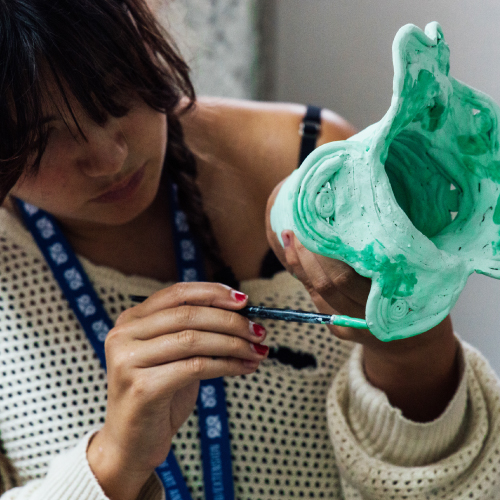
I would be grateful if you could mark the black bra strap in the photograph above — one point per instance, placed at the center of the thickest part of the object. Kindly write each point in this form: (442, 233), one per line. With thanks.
(310, 128)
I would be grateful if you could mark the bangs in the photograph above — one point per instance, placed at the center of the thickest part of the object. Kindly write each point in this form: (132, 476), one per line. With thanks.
(102, 52)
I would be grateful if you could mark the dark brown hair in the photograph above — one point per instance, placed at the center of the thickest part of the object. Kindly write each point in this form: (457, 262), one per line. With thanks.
(99, 50)
(102, 51)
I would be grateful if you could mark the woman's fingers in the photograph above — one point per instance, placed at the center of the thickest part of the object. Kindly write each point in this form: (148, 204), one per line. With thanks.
(334, 287)
(160, 331)
(193, 293)
(155, 382)
(334, 281)
(188, 317)
(193, 343)
(180, 374)
(344, 278)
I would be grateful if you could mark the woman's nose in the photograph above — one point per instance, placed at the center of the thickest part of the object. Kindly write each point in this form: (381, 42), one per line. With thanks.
(105, 151)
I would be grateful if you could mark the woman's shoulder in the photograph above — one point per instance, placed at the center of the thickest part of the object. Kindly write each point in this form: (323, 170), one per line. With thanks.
(243, 149)
(260, 139)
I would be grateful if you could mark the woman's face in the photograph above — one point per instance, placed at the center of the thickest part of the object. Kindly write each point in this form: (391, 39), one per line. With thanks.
(110, 178)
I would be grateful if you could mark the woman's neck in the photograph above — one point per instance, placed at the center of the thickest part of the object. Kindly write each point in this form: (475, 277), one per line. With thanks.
(141, 247)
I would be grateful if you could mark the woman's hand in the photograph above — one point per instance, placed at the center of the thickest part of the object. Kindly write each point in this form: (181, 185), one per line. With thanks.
(156, 355)
(335, 287)
(418, 374)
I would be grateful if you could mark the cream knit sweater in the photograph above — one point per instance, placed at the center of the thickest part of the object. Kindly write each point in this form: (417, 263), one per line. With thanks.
(315, 432)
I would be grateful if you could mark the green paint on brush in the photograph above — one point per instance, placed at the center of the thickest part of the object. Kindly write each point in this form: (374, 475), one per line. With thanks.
(340, 320)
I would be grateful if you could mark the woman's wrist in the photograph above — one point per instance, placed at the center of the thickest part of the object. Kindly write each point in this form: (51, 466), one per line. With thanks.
(117, 479)
(419, 375)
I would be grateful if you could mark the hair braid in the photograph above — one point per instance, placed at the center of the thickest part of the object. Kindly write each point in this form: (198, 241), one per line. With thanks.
(180, 167)
(9, 477)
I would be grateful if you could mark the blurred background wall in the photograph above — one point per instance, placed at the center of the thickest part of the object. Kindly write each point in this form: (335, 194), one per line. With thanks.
(337, 54)
(220, 40)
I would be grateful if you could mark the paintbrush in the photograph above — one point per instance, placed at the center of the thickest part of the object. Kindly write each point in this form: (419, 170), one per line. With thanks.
(290, 315)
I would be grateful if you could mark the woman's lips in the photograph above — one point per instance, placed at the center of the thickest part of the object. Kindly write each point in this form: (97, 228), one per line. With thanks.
(123, 190)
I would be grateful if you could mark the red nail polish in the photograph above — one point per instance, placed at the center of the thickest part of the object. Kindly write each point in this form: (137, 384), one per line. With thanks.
(258, 330)
(286, 239)
(238, 296)
(260, 349)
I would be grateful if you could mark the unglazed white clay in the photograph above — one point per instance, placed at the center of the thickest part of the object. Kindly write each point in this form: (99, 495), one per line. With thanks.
(411, 202)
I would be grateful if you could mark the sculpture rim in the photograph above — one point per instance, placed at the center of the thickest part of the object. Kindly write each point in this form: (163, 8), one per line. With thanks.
(411, 261)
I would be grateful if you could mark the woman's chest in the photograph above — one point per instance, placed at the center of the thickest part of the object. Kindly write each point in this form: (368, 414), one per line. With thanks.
(279, 439)
(52, 390)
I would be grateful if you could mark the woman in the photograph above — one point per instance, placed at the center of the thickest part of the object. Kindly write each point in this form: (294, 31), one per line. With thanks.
(98, 122)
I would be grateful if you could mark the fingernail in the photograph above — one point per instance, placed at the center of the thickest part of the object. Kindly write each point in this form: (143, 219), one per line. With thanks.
(286, 239)
(238, 296)
(260, 349)
(256, 329)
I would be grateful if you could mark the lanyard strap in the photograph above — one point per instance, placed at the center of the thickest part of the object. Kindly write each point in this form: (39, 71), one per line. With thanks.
(69, 273)
(88, 308)
(212, 413)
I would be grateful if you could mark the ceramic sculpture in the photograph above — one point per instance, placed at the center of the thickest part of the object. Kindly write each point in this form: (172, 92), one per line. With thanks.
(411, 202)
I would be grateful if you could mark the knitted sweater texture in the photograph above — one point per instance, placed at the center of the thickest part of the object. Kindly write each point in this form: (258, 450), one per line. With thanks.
(316, 432)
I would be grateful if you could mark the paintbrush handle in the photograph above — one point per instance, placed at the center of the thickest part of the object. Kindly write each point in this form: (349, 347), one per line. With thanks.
(290, 315)
(285, 315)
(302, 316)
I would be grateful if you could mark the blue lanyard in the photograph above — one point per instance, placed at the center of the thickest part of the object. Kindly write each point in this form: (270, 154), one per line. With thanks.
(79, 292)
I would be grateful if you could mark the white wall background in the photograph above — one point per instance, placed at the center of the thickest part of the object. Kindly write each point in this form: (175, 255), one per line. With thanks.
(337, 54)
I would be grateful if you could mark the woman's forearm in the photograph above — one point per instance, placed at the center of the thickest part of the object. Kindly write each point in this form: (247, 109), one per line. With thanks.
(117, 482)
(419, 375)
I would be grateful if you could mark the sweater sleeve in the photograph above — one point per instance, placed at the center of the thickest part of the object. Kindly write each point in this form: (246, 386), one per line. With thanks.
(381, 454)
(70, 477)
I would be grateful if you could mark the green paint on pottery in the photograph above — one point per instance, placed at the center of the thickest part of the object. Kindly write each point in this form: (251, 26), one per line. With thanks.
(483, 170)
(411, 202)
(496, 213)
(397, 280)
(478, 144)
(495, 246)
